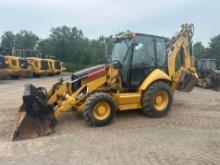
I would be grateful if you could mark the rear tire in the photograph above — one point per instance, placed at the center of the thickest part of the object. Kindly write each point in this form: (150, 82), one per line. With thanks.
(99, 109)
(157, 100)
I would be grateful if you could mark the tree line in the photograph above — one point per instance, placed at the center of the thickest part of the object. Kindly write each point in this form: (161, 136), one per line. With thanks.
(212, 51)
(64, 43)
(70, 45)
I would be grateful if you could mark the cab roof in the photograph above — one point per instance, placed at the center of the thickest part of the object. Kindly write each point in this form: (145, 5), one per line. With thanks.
(208, 59)
(131, 35)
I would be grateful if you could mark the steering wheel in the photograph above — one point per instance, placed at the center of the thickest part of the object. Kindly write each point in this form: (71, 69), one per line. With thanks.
(117, 64)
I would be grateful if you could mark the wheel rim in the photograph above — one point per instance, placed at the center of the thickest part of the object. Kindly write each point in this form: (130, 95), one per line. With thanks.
(161, 100)
(101, 111)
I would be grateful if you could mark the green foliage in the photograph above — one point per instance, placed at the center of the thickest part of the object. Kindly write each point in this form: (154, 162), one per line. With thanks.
(65, 43)
(26, 40)
(69, 45)
(213, 51)
(199, 50)
(8, 40)
(21, 40)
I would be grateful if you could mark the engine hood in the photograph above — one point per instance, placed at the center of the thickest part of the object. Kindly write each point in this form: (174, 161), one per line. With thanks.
(88, 70)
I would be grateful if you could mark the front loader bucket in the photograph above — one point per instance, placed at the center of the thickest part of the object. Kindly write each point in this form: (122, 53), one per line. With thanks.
(28, 125)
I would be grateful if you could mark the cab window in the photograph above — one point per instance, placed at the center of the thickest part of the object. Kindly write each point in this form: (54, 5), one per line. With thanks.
(161, 52)
(143, 60)
(143, 53)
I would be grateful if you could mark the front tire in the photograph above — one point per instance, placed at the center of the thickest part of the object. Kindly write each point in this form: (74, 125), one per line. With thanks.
(157, 100)
(99, 109)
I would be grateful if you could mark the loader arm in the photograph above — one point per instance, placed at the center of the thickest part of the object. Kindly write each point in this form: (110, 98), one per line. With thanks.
(184, 78)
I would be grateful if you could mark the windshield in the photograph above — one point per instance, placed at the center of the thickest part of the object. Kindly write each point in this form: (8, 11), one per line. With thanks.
(120, 50)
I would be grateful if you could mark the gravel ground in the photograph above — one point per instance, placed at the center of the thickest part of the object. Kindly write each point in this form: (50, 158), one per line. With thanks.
(190, 134)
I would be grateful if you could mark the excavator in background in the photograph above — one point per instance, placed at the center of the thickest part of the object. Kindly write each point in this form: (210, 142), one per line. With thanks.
(209, 74)
(141, 75)
(3, 70)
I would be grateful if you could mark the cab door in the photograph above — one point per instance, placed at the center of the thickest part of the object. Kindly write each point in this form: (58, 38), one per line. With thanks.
(143, 60)
(148, 54)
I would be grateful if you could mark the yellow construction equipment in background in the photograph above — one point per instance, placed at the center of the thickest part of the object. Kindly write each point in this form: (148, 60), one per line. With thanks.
(63, 68)
(39, 66)
(26, 63)
(17, 67)
(140, 76)
(54, 67)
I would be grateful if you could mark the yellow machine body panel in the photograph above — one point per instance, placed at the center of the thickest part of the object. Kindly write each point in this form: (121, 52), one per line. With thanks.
(63, 68)
(14, 66)
(127, 101)
(155, 75)
(12, 63)
(51, 70)
(36, 65)
(53, 66)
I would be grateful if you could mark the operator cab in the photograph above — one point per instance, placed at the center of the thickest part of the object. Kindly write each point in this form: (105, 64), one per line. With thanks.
(137, 55)
(205, 66)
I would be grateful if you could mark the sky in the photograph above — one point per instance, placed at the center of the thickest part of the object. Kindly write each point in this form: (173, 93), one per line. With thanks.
(106, 17)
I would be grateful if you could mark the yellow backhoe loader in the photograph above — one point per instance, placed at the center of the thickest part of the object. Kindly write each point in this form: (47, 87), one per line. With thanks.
(38, 66)
(141, 76)
(17, 67)
(3, 70)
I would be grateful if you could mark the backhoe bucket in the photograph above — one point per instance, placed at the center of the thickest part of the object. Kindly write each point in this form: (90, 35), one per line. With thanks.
(28, 124)
(187, 82)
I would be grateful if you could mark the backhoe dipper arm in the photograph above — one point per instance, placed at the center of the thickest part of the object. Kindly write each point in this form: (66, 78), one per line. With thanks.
(184, 78)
